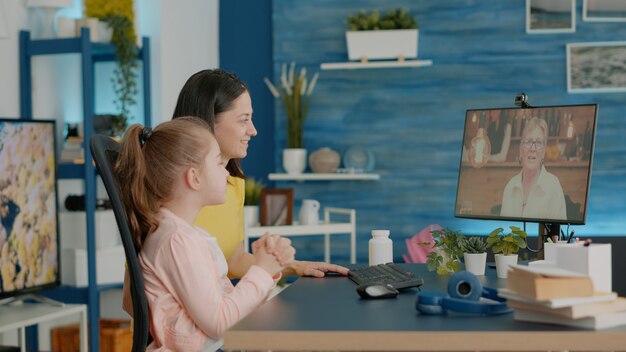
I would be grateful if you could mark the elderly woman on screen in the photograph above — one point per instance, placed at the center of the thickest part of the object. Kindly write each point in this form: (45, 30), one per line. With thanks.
(533, 193)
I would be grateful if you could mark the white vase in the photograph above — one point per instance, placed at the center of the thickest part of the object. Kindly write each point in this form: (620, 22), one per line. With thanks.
(251, 215)
(475, 262)
(502, 264)
(294, 160)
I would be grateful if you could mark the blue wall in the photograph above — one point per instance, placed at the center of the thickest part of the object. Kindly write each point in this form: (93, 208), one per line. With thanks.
(246, 49)
(412, 119)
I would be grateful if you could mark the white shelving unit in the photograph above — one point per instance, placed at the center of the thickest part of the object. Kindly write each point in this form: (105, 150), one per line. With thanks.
(374, 64)
(323, 177)
(326, 228)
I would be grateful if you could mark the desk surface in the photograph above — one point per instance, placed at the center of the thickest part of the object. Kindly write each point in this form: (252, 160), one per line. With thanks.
(327, 314)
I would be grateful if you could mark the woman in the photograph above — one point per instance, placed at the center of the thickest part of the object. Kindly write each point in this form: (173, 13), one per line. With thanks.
(223, 101)
(166, 176)
(534, 193)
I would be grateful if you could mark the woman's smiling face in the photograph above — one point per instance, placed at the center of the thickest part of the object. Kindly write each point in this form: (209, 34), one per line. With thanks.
(532, 149)
(234, 128)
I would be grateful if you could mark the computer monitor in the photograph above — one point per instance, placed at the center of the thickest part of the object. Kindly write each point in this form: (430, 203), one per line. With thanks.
(29, 241)
(527, 164)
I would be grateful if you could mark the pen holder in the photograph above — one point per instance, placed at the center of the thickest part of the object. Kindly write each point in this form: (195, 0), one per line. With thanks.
(593, 260)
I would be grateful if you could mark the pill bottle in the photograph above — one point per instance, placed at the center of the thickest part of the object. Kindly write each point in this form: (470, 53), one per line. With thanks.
(380, 248)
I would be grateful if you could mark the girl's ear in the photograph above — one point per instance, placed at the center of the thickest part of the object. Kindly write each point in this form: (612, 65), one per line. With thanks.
(192, 178)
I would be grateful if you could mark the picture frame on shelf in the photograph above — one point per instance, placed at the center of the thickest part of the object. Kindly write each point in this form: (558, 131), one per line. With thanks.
(592, 68)
(604, 10)
(276, 206)
(550, 16)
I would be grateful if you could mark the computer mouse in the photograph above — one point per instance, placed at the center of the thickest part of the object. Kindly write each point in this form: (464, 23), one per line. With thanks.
(369, 291)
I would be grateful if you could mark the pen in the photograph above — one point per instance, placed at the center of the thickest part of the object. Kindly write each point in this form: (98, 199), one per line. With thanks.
(562, 235)
(569, 239)
(549, 240)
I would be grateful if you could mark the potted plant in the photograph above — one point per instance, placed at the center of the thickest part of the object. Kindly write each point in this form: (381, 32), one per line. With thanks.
(295, 91)
(447, 258)
(474, 254)
(391, 36)
(505, 247)
(118, 15)
(251, 201)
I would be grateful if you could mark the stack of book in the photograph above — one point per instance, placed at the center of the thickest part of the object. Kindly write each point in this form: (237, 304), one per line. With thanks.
(72, 151)
(556, 296)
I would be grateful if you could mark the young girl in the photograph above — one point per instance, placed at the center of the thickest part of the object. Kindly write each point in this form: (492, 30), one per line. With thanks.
(166, 176)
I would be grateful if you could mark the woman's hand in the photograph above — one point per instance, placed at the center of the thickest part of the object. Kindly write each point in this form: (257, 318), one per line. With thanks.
(316, 269)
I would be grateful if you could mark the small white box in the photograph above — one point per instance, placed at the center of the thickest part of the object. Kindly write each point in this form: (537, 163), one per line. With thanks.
(73, 229)
(109, 266)
(593, 260)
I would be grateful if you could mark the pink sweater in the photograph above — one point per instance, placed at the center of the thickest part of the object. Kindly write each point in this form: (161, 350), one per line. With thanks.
(191, 300)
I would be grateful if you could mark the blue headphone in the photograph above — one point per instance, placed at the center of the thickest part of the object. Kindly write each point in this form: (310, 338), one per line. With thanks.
(464, 292)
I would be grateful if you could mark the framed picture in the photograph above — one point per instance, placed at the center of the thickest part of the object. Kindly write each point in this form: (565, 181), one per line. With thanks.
(550, 16)
(604, 10)
(276, 206)
(596, 67)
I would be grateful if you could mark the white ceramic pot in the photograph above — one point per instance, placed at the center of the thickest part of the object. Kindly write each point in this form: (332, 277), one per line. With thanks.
(475, 262)
(294, 160)
(382, 44)
(502, 264)
(309, 212)
(251, 215)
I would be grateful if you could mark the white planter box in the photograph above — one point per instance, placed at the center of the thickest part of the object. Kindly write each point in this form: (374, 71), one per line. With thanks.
(384, 44)
(109, 266)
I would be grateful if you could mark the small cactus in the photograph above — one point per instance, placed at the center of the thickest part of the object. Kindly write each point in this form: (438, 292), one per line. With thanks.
(474, 244)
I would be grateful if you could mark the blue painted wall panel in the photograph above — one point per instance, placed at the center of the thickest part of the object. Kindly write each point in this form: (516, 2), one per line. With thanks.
(412, 118)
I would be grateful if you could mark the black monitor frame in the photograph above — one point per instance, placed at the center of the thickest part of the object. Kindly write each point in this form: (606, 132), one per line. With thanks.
(29, 291)
(554, 223)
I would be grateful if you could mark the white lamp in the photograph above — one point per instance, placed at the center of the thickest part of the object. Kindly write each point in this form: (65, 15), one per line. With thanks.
(42, 16)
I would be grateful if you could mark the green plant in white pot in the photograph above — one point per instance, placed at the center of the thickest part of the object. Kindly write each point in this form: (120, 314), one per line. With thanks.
(393, 35)
(295, 92)
(505, 247)
(474, 254)
(251, 201)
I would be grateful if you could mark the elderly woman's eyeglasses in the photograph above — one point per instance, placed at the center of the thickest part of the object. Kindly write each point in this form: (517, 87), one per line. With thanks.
(529, 143)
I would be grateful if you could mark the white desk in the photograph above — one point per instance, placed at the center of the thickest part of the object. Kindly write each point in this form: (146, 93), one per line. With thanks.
(20, 316)
(327, 228)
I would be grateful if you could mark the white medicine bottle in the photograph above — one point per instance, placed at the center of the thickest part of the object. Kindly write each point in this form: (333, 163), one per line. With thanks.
(380, 248)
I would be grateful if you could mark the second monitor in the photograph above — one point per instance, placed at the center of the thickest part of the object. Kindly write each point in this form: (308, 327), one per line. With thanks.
(531, 164)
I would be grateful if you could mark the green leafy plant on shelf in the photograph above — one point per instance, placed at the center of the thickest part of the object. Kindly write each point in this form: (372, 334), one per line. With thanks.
(394, 19)
(507, 243)
(253, 189)
(473, 245)
(446, 259)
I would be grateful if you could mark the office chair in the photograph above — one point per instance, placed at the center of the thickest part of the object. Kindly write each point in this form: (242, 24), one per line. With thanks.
(105, 151)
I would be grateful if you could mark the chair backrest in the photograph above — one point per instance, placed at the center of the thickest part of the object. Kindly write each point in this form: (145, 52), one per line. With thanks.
(105, 151)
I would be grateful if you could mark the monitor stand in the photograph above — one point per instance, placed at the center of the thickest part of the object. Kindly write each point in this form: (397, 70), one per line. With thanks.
(31, 296)
(551, 231)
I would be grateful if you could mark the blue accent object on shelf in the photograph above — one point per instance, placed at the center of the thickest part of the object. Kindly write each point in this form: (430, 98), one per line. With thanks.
(359, 158)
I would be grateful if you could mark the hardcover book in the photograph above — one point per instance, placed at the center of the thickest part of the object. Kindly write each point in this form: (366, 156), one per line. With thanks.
(546, 284)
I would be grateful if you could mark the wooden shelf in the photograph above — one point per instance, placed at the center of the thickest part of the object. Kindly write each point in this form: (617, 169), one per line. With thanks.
(324, 177)
(374, 64)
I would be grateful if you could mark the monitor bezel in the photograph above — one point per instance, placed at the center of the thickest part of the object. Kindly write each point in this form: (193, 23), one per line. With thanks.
(522, 219)
(57, 281)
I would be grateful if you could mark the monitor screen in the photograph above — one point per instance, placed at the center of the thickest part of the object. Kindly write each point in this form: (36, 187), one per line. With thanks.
(527, 164)
(29, 242)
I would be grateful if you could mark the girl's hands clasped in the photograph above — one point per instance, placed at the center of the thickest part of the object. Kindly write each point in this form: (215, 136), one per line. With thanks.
(273, 253)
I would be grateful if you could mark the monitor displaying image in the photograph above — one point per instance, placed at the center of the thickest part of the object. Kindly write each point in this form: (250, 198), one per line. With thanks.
(29, 242)
(530, 164)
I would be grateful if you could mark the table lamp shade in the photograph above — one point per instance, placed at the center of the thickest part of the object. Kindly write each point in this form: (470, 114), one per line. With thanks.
(49, 3)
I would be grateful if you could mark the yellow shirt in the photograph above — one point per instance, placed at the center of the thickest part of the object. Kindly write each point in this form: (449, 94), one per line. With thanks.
(225, 221)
